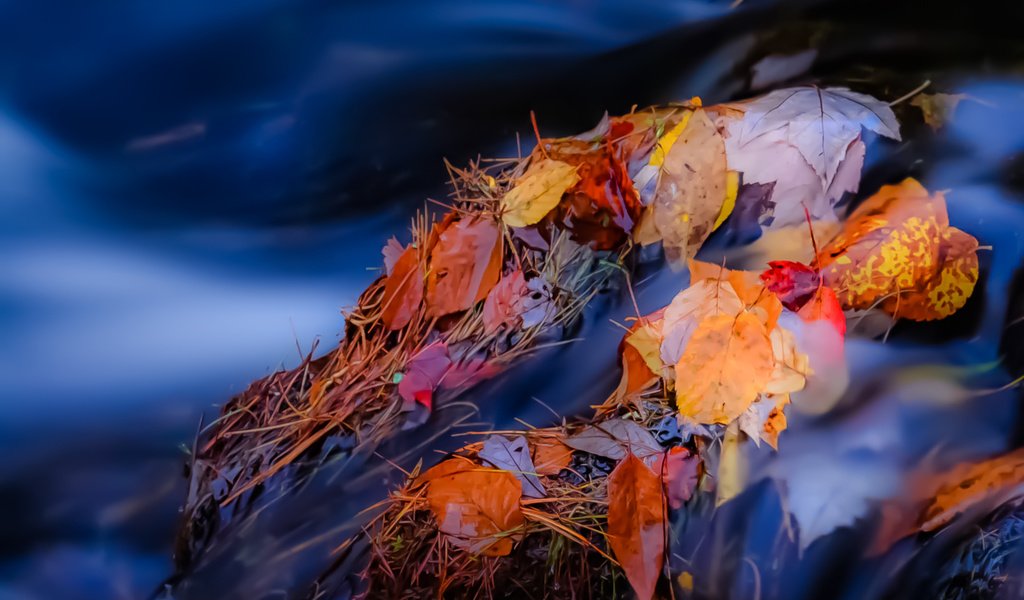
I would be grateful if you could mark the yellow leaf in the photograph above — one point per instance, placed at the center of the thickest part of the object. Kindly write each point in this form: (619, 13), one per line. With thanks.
(732, 188)
(647, 341)
(732, 470)
(727, 363)
(537, 192)
(667, 140)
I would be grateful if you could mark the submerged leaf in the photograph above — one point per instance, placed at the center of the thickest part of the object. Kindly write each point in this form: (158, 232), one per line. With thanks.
(938, 109)
(679, 471)
(636, 524)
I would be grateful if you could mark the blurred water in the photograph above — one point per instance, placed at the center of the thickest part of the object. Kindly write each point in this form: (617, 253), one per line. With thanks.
(189, 192)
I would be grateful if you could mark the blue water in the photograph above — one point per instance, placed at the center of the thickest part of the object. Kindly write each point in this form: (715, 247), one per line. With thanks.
(191, 191)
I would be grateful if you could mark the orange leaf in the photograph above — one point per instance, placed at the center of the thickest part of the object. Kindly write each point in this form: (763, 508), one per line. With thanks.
(403, 290)
(898, 250)
(726, 364)
(550, 455)
(636, 523)
(464, 265)
(443, 468)
(969, 485)
(478, 510)
(747, 285)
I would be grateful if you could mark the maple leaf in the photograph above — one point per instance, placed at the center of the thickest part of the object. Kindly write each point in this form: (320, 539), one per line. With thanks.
(805, 140)
(726, 364)
(898, 251)
(464, 265)
(513, 456)
(478, 510)
(692, 188)
(615, 439)
(636, 523)
(679, 471)
(423, 374)
(403, 290)
(538, 191)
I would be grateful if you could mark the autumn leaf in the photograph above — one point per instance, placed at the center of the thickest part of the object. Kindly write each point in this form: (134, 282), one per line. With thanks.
(478, 510)
(692, 188)
(464, 265)
(806, 141)
(392, 251)
(792, 282)
(538, 191)
(689, 308)
(614, 439)
(403, 290)
(602, 207)
(513, 456)
(938, 109)
(423, 374)
(451, 466)
(824, 306)
(731, 476)
(550, 454)
(636, 523)
(636, 373)
(679, 471)
(641, 355)
(897, 251)
(726, 364)
(972, 484)
(747, 285)
(765, 419)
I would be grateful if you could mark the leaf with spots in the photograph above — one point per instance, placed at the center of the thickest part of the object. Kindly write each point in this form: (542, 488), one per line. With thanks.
(897, 251)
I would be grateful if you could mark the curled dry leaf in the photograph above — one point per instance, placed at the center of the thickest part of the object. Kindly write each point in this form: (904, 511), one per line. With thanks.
(513, 456)
(614, 439)
(403, 290)
(898, 251)
(464, 265)
(726, 364)
(478, 510)
(636, 523)
(537, 192)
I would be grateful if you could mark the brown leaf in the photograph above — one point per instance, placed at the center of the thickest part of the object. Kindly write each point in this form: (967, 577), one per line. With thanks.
(614, 439)
(692, 188)
(478, 510)
(464, 265)
(636, 523)
(403, 290)
(938, 109)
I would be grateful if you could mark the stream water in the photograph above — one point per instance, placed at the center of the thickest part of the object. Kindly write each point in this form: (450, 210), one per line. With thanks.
(190, 192)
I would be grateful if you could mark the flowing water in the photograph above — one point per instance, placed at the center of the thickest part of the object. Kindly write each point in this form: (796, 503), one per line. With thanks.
(191, 192)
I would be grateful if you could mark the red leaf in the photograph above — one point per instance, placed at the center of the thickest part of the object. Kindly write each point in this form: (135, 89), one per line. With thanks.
(824, 305)
(636, 523)
(794, 283)
(679, 472)
(424, 373)
(403, 290)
